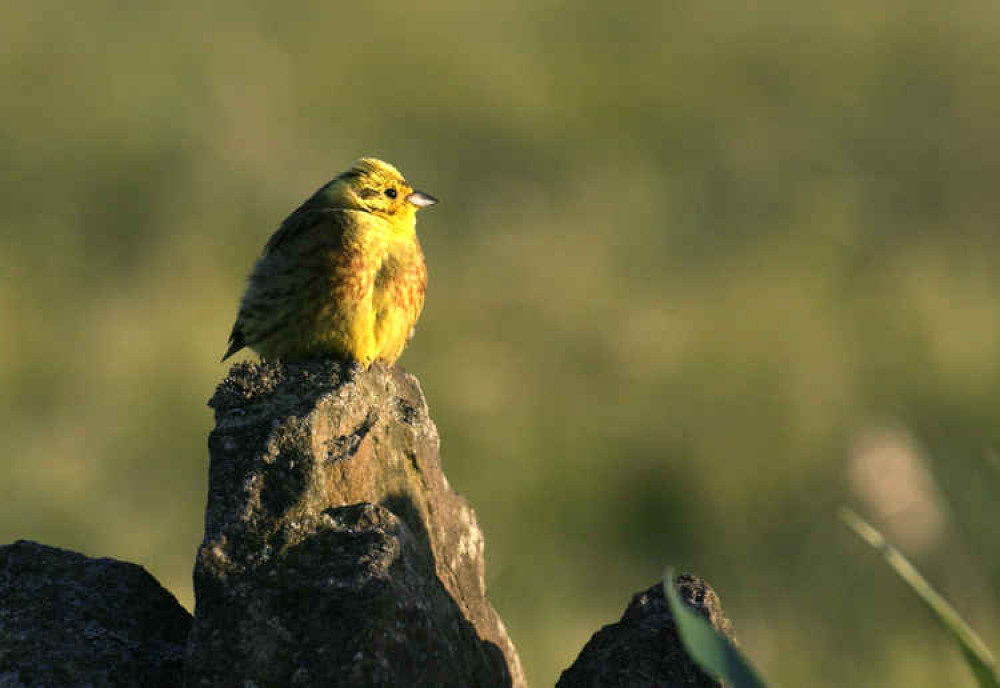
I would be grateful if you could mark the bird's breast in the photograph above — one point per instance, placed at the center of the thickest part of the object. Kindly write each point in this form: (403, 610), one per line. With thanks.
(402, 280)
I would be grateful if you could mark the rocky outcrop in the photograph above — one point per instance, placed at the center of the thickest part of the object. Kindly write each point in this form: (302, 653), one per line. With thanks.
(335, 552)
(643, 648)
(69, 620)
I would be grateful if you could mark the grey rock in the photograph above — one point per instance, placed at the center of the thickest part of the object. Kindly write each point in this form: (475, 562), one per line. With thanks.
(643, 649)
(335, 552)
(69, 620)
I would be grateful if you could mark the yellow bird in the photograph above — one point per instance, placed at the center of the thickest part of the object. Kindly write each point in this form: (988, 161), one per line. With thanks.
(343, 276)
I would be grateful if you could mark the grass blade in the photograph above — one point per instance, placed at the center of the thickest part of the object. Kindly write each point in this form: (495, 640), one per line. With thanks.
(976, 653)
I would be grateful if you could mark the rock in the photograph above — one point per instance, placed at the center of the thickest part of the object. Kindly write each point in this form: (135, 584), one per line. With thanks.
(335, 552)
(69, 620)
(643, 648)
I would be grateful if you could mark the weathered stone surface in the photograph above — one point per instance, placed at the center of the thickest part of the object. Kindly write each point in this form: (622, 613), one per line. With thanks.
(69, 620)
(643, 648)
(335, 551)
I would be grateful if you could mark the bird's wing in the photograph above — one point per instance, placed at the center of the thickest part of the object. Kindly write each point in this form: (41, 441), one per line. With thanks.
(304, 237)
(302, 222)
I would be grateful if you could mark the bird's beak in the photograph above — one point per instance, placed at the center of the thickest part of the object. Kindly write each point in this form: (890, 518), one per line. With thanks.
(420, 199)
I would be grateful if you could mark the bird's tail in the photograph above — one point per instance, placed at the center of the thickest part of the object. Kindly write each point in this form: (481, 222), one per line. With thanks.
(236, 342)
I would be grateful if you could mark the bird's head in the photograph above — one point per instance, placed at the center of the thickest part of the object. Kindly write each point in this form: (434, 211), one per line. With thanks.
(376, 187)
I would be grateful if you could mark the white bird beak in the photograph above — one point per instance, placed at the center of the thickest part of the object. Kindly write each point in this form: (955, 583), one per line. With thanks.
(420, 199)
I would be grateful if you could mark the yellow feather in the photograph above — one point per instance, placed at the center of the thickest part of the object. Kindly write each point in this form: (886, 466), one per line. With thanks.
(342, 276)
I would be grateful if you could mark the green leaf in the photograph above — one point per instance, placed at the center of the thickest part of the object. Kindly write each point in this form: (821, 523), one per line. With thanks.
(710, 649)
(976, 653)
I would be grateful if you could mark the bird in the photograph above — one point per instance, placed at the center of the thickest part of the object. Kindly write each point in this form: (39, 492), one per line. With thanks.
(343, 276)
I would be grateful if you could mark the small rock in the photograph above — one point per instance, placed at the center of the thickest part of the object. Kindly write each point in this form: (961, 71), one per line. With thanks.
(643, 649)
(69, 620)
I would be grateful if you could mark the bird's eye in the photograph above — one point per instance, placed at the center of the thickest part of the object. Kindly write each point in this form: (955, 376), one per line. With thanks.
(391, 193)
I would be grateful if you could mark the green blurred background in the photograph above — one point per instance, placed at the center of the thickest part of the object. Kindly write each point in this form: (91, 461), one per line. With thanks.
(701, 273)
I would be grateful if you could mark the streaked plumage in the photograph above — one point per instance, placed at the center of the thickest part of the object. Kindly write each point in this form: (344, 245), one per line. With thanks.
(342, 276)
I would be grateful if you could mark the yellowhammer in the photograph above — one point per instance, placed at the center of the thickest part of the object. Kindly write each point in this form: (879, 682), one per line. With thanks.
(342, 276)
